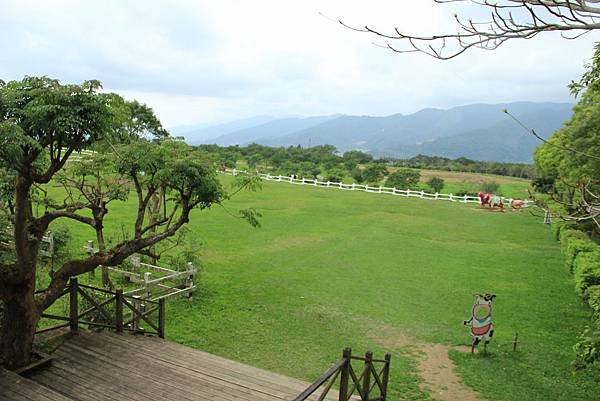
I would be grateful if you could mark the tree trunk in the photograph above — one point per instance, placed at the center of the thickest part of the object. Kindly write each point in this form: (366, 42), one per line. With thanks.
(17, 328)
(101, 248)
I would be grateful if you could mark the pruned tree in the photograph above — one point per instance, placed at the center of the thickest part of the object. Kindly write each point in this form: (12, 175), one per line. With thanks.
(92, 183)
(42, 123)
(508, 20)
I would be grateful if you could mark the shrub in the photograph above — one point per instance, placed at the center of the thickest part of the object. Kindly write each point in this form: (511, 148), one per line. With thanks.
(436, 183)
(592, 294)
(566, 235)
(489, 187)
(574, 246)
(587, 270)
(403, 178)
(588, 346)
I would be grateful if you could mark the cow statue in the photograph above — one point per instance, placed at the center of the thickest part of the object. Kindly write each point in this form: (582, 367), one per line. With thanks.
(482, 328)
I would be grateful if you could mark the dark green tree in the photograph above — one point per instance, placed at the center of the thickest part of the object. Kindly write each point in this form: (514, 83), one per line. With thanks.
(404, 178)
(436, 183)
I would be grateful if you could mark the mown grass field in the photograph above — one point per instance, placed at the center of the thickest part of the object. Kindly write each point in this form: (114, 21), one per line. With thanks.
(330, 269)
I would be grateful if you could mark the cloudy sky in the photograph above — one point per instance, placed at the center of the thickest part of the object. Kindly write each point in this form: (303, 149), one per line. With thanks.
(221, 60)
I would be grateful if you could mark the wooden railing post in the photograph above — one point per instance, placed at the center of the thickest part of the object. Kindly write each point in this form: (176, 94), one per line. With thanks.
(367, 376)
(345, 375)
(135, 324)
(119, 311)
(386, 375)
(73, 305)
(161, 318)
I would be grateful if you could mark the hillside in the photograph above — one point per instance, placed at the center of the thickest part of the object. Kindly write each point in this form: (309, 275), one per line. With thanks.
(199, 133)
(477, 131)
(271, 129)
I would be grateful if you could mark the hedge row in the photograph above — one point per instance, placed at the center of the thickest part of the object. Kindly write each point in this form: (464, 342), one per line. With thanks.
(582, 257)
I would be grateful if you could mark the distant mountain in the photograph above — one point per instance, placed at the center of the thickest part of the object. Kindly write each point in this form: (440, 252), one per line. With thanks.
(504, 141)
(478, 131)
(268, 130)
(200, 133)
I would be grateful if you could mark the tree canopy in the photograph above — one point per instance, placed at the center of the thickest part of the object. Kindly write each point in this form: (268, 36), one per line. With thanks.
(43, 123)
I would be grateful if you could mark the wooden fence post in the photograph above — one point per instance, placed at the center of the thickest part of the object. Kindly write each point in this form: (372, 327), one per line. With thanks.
(367, 377)
(147, 290)
(161, 318)
(119, 311)
(135, 324)
(386, 375)
(345, 375)
(73, 305)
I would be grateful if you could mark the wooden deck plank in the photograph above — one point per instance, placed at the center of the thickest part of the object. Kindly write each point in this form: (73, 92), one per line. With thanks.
(105, 366)
(141, 379)
(169, 376)
(259, 379)
(230, 375)
(15, 387)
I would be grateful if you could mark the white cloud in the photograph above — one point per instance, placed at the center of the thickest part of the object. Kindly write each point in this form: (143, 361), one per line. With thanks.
(210, 61)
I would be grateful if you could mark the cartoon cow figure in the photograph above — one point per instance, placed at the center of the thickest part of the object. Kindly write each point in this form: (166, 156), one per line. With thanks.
(482, 328)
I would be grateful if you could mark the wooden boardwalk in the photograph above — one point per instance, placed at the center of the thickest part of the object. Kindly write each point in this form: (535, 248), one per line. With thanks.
(111, 367)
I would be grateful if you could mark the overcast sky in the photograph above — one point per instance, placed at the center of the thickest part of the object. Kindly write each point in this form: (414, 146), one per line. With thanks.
(221, 60)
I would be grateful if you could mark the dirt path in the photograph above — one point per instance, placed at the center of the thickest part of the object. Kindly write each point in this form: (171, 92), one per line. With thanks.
(434, 365)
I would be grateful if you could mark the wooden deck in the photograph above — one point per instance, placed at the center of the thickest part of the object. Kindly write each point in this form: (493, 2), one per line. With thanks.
(112, 367)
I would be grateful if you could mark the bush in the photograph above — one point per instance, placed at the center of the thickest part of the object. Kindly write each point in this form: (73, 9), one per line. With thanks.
(436, 183)
(489, 187)
(574, 247)
(587, 270)
(592, 294)
(566, 235)
(403, 178)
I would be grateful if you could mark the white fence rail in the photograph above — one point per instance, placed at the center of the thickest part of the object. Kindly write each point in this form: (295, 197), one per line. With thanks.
(170, 284)
(371, 189)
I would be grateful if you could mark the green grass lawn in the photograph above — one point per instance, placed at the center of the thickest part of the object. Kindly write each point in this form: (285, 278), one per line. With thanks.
(330, 269)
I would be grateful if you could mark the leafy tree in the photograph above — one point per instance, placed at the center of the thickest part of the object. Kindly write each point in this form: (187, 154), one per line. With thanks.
(374, 172)
(404, 178)
(489, 187)
(436, 183)
(335, 175)
(357, 175)
(42, 123)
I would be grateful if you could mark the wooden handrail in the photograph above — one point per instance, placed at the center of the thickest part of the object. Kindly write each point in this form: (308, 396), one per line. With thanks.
(366, 384)
(116, 322)
(321, 380)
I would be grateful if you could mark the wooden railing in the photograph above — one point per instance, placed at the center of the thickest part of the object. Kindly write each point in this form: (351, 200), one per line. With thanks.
(98, 307)
(370, 385)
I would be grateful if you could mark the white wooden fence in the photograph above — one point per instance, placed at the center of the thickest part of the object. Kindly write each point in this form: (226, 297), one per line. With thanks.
(371, 189)
(169, 284)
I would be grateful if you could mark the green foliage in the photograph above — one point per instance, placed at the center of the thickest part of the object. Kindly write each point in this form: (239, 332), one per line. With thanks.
(575, 246)
(489, 187)
(403, 178)
(567, 234)
(436, 183)
(373, 173)
(335, 175)
(38, 113)
(569, 160)
(592, 294)
(588, 346)
(62, 238)
(587, 270)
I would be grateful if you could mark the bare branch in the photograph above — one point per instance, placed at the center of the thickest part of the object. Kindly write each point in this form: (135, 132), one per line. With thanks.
(509, 19)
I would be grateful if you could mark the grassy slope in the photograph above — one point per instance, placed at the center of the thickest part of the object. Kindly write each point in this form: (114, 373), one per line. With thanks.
(330, 269)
